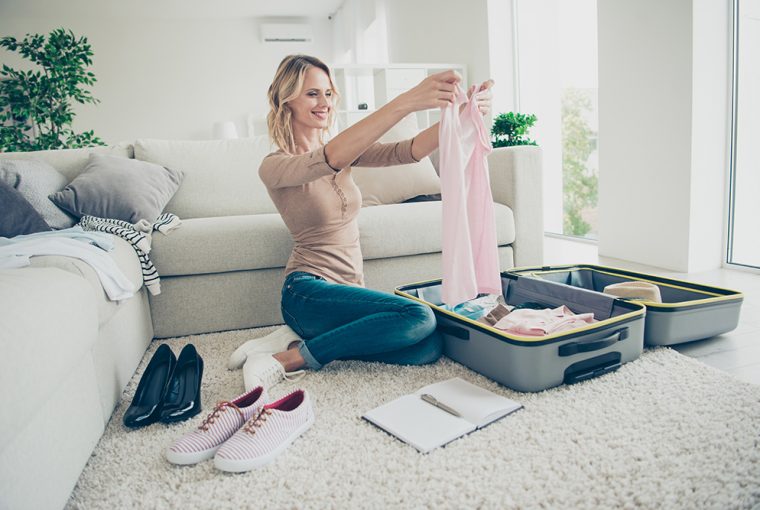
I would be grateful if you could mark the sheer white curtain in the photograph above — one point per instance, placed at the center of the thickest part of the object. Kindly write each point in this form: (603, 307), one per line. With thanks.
(360, 33)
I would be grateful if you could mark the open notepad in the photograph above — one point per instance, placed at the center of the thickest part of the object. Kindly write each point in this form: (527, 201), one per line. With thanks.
(425, 426)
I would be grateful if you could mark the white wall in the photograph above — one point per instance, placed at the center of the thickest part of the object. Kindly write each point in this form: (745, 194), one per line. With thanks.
(172, 78)
(710, 127)
(659, 198)
(645, 57)
(429, 31)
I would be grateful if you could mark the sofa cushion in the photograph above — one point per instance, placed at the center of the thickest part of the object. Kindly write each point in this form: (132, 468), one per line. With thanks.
(35, 180)
(394, 184)
(410, 229)
(119, 188)
(221, 176)
(71, 162)
(17, 216)
(220, 244)
(54, 325)
(124, 256)
(259, 241)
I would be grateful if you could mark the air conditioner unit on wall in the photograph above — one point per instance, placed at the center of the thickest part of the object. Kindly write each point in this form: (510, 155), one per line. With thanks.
(290, 32)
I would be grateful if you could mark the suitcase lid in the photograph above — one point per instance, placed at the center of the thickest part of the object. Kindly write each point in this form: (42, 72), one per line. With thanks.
(678, 295)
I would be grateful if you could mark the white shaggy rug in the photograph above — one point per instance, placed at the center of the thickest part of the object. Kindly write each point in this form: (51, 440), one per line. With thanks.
(664, 431)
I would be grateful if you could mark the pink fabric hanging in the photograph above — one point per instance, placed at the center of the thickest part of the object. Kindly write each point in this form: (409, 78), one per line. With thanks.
(469, 251)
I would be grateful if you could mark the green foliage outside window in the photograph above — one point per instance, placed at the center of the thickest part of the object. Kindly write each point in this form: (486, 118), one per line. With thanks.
(510, 129)
(36, 106)
(580, 183)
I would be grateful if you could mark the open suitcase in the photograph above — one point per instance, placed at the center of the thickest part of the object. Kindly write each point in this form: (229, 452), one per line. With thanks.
(689, 311)
(527, 363)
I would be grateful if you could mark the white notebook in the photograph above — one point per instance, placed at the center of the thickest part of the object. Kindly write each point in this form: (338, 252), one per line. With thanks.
(426, 426)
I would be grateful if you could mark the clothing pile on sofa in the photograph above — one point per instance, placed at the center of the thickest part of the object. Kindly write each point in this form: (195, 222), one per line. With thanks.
(89, 241)
(138, 235)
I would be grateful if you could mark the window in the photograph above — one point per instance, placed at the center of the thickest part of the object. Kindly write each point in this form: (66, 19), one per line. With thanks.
(744, 206)
(558, 83)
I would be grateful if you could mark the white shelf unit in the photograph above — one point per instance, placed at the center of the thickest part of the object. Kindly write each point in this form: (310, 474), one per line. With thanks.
(376, 85)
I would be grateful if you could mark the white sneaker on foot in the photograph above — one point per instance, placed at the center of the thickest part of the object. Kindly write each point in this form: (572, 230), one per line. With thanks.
(277, 341)
(264, 370)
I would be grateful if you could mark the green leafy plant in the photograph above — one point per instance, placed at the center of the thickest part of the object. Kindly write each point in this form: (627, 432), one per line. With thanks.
(36, 106)
(511, 129)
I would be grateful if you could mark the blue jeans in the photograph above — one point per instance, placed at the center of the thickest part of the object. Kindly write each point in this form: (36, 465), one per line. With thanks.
(345, 322)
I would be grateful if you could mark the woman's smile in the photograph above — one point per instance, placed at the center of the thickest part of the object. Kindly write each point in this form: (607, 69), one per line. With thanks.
(320, 114)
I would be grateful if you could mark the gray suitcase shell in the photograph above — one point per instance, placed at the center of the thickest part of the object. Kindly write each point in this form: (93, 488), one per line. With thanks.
(689, 311)
(536, 363)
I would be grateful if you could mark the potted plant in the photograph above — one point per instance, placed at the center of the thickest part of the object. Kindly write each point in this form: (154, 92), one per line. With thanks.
(36, 106)
(511, 129)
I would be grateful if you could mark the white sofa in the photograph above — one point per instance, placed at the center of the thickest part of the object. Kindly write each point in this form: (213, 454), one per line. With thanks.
(68, 352)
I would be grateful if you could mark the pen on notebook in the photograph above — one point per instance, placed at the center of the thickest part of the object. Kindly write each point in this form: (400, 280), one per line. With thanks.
(430, 399)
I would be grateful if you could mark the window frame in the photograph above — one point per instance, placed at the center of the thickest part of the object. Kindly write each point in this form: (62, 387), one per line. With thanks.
(730, 218)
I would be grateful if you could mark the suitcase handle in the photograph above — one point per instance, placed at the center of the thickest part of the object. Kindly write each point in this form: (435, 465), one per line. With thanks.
(593, 367)
(593, 345)
(460, 333)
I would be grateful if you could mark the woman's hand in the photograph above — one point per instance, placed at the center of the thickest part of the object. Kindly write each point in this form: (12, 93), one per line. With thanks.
(484, 97)
(436, 91)
(427, 140)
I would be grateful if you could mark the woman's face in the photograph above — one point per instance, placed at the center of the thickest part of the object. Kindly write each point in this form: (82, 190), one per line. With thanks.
(312, 106)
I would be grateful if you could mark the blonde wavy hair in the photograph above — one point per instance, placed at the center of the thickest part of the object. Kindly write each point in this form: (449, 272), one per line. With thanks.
(286, 86)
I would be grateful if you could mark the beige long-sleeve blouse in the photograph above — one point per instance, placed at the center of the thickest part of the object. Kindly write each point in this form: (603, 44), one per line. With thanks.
(320, 207)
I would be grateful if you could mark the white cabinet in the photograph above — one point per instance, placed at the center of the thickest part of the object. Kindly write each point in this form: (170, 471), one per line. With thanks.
(376, 85)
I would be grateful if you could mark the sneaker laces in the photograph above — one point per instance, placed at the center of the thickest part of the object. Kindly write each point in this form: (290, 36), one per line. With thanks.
(276, 372)
(220, 408)
(257, 421)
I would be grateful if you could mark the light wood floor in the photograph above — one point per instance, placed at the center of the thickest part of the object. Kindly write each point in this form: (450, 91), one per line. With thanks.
(736, 352)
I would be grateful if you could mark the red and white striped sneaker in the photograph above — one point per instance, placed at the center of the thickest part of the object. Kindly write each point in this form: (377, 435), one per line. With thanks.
(226, 419)
(266, 434)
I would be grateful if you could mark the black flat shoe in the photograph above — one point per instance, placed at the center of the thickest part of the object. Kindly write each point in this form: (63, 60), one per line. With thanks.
(146, 404)
(183, 400)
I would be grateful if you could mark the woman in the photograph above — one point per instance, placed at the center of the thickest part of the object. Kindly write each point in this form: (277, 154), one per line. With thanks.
(323, 298)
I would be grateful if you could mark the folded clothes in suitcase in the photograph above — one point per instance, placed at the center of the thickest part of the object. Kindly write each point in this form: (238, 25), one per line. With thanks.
(688, 311)
(535, 363)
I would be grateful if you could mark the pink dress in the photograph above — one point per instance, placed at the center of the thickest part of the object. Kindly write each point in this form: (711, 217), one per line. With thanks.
(469, 251)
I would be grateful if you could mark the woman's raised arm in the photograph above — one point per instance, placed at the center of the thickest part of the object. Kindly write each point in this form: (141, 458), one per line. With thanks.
(435, 91)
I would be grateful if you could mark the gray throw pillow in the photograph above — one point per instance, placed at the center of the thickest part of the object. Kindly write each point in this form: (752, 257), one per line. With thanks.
(17, 216)
(35, 180)
(119, 188)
